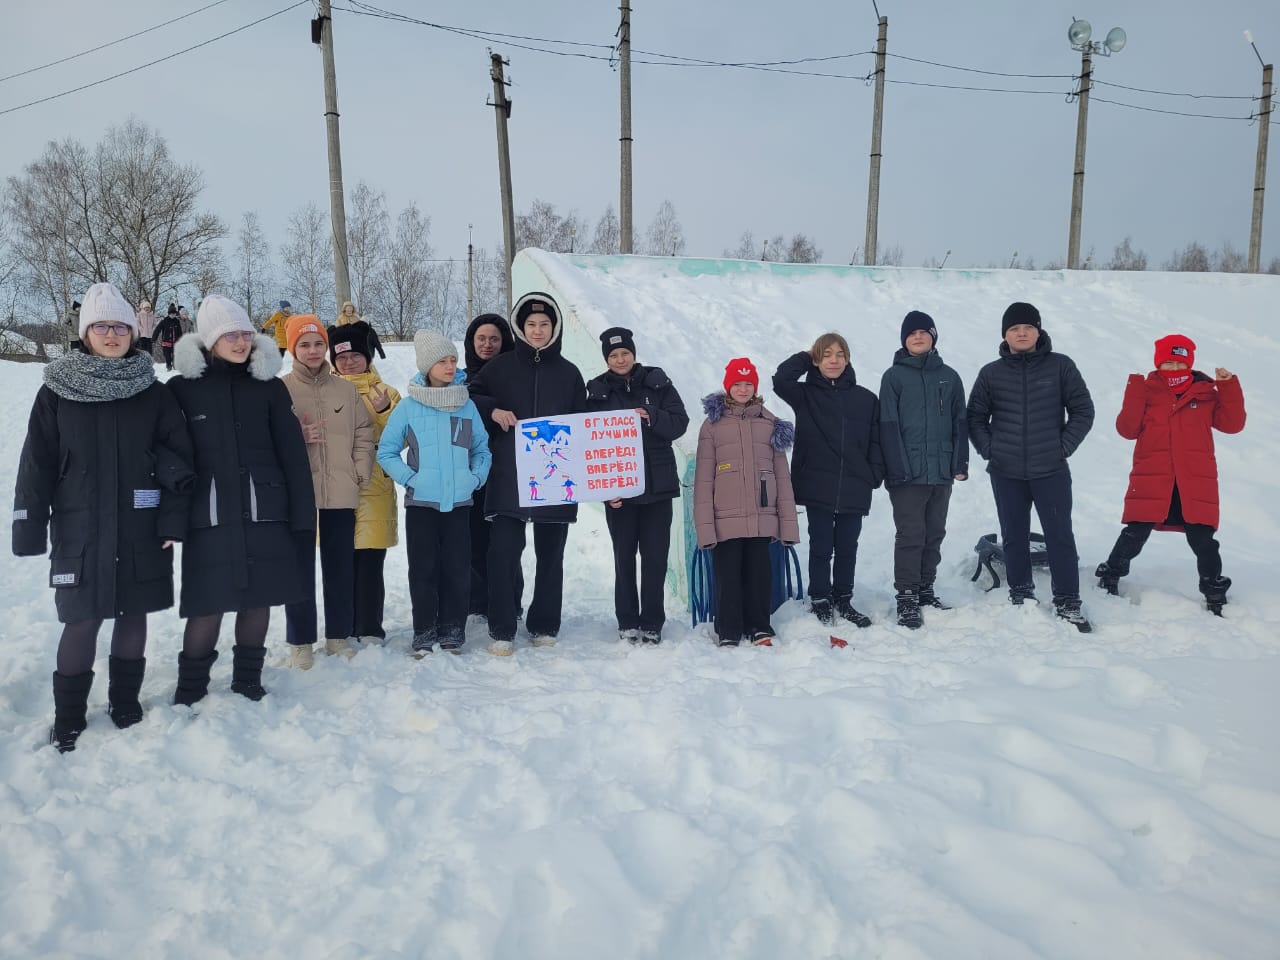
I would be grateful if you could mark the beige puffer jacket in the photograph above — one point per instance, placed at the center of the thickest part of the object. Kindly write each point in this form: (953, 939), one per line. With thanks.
(742, 484)
(343, 463)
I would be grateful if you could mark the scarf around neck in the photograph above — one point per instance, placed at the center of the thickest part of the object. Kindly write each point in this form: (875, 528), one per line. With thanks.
(86, 378)
(448, 398)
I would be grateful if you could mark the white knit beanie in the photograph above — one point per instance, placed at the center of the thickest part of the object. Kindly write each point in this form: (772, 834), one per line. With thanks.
(429, 348)
(218, 315)
(103, 303)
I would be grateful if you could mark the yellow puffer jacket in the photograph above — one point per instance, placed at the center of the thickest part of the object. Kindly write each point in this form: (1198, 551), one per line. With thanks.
(377, 519)
(276, 325)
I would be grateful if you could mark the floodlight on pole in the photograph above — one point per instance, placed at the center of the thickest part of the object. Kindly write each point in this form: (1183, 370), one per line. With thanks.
(1080, 35)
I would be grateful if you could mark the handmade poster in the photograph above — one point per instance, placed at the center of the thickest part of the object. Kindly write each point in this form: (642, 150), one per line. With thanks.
(579, 458)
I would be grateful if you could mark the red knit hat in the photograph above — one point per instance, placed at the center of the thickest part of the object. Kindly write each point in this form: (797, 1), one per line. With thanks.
(738, 370)
(1176, 347)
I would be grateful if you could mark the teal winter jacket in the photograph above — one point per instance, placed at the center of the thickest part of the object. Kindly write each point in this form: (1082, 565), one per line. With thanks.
(924, 432)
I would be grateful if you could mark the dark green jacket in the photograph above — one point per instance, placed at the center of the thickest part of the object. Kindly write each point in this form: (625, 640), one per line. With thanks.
(924, 433)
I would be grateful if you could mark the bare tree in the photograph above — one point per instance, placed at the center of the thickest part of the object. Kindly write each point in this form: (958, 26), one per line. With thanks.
(1126, 258)
(608, 235)
(404, 281)
(802, 250)
(774, 249)
(367, 238)
(545, 229)
(665, 236)
(489, 284)
(890, 256)
(306, 258)
(1230, 260)
(1192, 258)
(252, 286)
(1274, 266)
(746, 248)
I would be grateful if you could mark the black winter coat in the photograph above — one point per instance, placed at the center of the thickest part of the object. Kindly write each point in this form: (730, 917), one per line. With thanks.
(473, 363)
(115, 475)
(1029, 411)
(168, 328)
(651, 389)
(837, 460)
(529, 383)
(253, 488)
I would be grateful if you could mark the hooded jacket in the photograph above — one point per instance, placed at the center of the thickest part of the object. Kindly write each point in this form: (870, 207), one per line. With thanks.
(1175, 445)
(1028, 412)
(651, 389)
(924, 428)
(742, 485)
(343, 462)
(278, 325)
(473, 363)
(377, 523)
(837, 462)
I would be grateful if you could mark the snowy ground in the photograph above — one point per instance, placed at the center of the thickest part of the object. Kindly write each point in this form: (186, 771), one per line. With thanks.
(993, 786)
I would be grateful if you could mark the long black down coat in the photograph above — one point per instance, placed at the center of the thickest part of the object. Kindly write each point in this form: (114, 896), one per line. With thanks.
(115, 475)
(651, 389)
(529, 383)
(253, 489)
(1029, 411)
(837, 461)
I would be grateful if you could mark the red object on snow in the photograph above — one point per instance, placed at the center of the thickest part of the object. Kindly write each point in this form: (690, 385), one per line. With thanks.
(838, 643)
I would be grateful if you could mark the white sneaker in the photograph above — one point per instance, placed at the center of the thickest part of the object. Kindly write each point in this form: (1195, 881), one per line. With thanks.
(301, 656)
(339, 646)
(542, 640)
(501, 648)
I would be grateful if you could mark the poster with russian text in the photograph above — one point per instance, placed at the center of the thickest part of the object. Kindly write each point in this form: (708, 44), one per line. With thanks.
(579, 458)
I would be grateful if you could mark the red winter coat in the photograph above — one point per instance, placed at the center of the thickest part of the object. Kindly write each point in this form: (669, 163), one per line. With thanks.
(1175, 445)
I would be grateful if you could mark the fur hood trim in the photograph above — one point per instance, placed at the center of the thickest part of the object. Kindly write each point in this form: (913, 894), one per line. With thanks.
(191, 359)
(784, 431)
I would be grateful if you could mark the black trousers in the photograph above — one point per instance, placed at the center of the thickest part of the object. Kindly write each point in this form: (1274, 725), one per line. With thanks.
(167, 350)
(743, 580)
(646, 528)
(506, 545)
(480, 560)
(1051, 496)
(1199, 537)
(832, 533)
(369, 594)
(439, 547)
(337, 570)
(920, 517)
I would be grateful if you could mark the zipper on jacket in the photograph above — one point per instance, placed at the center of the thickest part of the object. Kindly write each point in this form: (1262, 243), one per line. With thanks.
(764, 492)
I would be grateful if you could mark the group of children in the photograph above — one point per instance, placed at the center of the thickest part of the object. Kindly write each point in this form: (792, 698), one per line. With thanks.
(254, 472)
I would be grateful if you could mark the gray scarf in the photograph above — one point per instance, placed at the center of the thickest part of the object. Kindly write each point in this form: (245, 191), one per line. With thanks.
(448, 398)
(86, 378)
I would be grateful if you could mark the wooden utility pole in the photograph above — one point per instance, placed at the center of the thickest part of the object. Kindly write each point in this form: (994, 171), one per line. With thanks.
(1260, 172)
(873, 185)
(502, 111)
(337, 210)
(470, 277)
(624, 80)
(1077, 181)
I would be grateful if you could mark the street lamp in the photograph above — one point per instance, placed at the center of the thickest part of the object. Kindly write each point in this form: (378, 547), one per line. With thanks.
(1079, 35)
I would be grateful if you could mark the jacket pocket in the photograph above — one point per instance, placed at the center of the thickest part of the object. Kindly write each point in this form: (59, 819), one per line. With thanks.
(150, 562)
(66, 566)
(269, 495)
(726, 489)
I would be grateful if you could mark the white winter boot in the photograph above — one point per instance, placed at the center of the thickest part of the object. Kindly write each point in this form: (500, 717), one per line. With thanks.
(340, 647)
(301, 656)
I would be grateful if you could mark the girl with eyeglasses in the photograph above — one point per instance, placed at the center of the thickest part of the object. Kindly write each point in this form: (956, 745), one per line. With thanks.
(105, 477)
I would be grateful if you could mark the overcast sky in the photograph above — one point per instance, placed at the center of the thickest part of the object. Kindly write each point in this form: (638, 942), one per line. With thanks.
(980, 174)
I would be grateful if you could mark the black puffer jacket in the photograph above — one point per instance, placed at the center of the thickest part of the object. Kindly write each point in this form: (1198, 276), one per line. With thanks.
(473, 363)
(529, 383)
(837, 460)
(651, 389)
(253, 486)
(1029, 411)
(116, 476)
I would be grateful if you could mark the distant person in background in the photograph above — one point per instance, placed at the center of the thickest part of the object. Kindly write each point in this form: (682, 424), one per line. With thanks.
(106, 469)
(1172, 413)
(487, 336)
(836, 465)
(376, 521)
(72, 323)
(146, 327)
(184, 318)
(169, 332)
(278, 325)
(924, 436)
(641, 524)
(1028, 412)
(348, 315)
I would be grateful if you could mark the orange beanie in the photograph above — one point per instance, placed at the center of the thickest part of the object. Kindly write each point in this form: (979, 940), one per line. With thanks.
(301, 323)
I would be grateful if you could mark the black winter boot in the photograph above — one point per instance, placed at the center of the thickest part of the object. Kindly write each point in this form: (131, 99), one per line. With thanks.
(909, 610)
(1108, 578)
(1070, 610)
(846, 609)
(821, 607)
(928, 598)
(1215, 593)
(122, 691)
(70, 709)
(193, 678)
(246, 671)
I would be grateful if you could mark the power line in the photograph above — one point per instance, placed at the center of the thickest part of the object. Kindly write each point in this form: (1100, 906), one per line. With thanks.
(125, 73)
(1170, 93)
(112, 43)
(951, 86)
(990, 73)
(1175, 113)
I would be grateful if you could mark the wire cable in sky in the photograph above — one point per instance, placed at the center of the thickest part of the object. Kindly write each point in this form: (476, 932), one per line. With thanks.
(112, 43)
(989, 73)
(951, 86)
(143, 66)
(1170, 93)
(1174, 113)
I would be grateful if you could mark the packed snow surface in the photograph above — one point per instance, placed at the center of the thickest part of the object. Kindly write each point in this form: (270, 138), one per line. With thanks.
(995, 785)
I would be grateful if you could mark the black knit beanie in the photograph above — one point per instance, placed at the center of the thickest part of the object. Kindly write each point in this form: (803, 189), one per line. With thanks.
(918, 320)
(1017, 313)
(616, 337)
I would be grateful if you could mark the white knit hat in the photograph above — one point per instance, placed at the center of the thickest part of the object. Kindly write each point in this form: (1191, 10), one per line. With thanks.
(429, 348)
(103, 303)
(219, 315)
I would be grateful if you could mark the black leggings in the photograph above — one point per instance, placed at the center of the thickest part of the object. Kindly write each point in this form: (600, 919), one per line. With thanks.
(79, 643)
(201, 635)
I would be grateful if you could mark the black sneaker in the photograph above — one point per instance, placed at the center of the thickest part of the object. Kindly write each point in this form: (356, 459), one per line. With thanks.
(728, 641)
(1108, 579)
(1070, 611)
(927, 598)
(909, 610)
(1020, 595)
(845, 608)
(822, 609)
